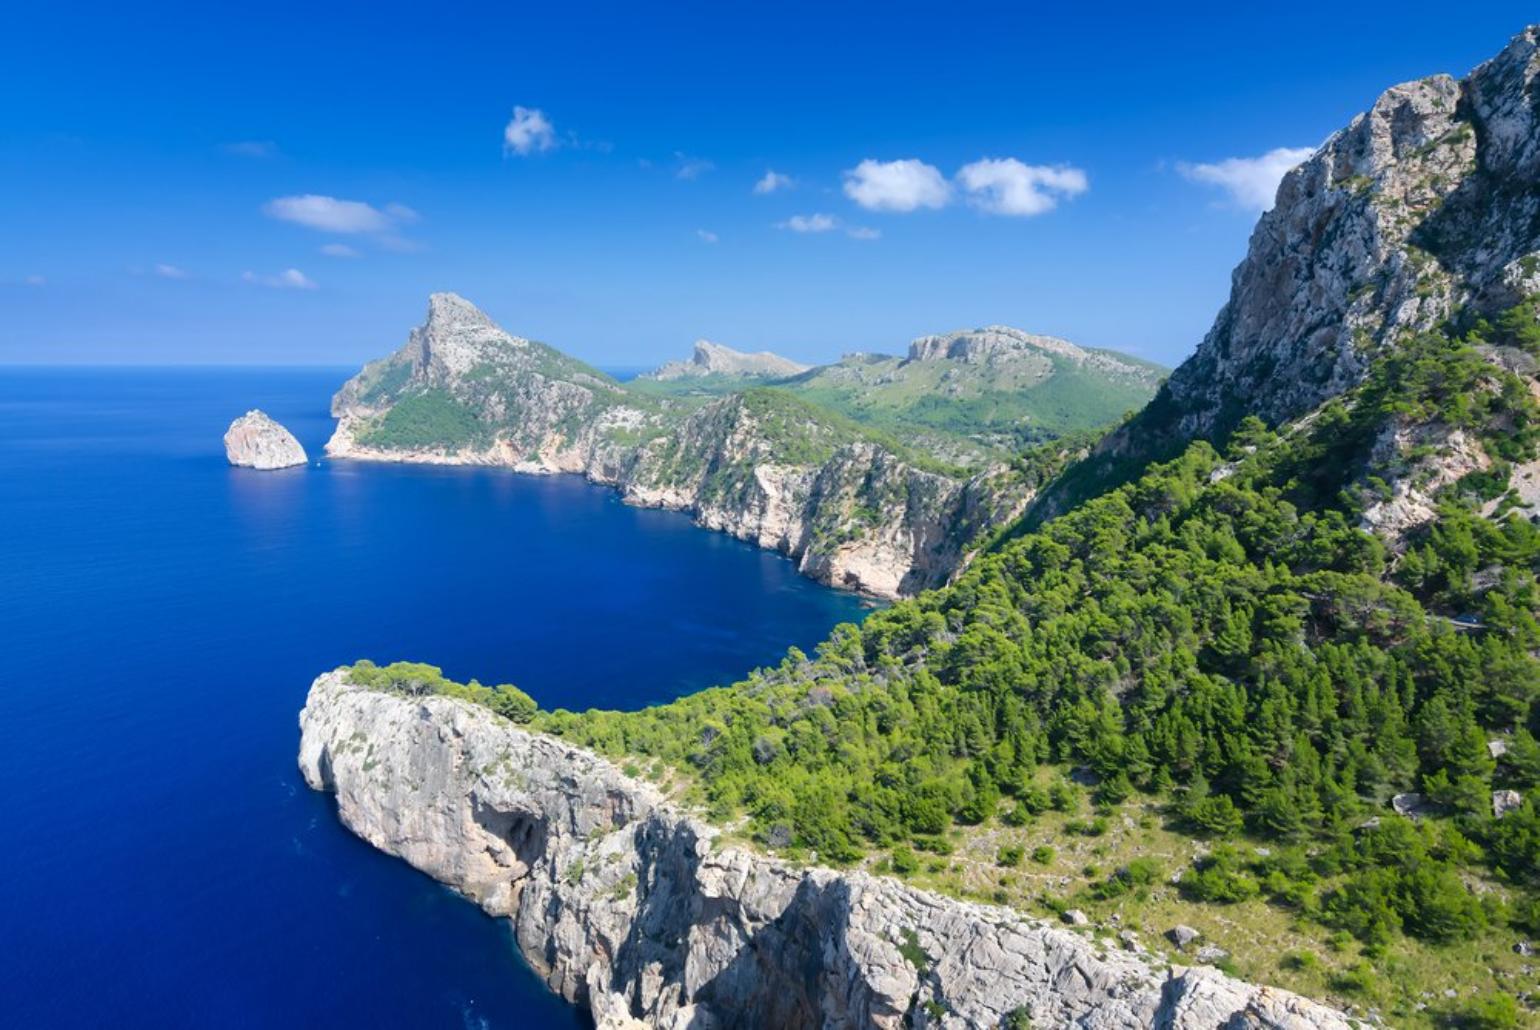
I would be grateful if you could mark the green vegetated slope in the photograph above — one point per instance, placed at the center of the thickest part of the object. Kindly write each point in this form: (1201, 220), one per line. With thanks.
(1242, 678)
(963, 412)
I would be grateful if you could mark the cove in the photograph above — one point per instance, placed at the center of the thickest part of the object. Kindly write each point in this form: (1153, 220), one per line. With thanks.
(161, 862)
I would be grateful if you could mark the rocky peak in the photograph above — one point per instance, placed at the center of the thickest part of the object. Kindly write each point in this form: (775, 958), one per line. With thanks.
(455, 337)
(256, 441)
(1422, 205)
(715, 359)
(981, 345)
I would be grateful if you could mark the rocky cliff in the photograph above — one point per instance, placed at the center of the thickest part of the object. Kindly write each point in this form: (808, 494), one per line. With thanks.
(1423, 208)
(713, 359)
(854, 511)
(256, 441)
(644, 915)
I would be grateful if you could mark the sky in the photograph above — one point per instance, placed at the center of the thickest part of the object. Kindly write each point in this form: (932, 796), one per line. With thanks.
(285, 184)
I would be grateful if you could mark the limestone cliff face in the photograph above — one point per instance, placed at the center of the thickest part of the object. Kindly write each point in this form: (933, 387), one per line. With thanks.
(1423, 205)
(633, 909)
(757, 465)
(256, 441)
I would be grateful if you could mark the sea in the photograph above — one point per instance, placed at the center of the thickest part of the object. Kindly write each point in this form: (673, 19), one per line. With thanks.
(162, 863)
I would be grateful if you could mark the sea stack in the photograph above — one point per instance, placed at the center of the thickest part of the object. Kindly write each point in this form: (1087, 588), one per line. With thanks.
(255, 441)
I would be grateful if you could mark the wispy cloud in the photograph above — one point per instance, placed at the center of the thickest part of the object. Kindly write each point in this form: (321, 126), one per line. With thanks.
(707, 236)
(822, 223)
(338, 250)
(255, 148)
(329, 214)
(1006, 186)
(810, 223)
(1249, 182)
(36, 280)
(689, 168)
(905, 185)
(170, 272)
(288, 279)
(529, 131)
(772, 181)
(346, 217)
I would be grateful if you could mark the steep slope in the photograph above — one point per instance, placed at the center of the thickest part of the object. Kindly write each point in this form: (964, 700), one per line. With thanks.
(636, 911)
(853, 506)
(1423, 207)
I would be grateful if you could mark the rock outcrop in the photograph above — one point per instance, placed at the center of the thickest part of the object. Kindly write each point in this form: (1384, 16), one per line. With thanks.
(759, 465)
(644, 915)
(255, 441)
(713, 359)
(1423, 206)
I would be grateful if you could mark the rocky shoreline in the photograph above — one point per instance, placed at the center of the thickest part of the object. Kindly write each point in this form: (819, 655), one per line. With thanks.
(645, 916)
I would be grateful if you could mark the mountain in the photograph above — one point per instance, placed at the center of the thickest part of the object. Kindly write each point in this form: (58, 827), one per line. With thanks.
(977, 394)
(1422, 209)
(761, 459)
(713, 359)
(970, 398)
(1261, 672)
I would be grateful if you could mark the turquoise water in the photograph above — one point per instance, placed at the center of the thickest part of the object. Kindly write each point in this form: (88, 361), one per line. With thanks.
(161, 861)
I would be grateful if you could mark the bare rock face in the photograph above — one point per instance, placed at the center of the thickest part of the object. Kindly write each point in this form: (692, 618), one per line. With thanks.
(1423, 205)
(714, 359)
(643, 915)
(255, 441)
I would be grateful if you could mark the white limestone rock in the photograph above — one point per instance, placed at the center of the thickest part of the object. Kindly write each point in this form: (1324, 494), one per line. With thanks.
(256, 441)
(639, 912)
(710, 358)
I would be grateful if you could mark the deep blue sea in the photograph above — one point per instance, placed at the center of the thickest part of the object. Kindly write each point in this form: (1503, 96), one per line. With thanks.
(162, 864)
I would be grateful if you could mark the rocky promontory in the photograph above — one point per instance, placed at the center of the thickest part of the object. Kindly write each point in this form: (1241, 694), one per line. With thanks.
(852, 508)
(644, 915)
(256, 441)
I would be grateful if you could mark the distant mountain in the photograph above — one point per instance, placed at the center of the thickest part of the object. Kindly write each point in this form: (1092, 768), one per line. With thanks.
(969, 398)
(713, 359)
(845, 497)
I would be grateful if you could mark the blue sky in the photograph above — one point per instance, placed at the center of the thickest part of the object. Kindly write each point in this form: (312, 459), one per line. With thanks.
(285, 184)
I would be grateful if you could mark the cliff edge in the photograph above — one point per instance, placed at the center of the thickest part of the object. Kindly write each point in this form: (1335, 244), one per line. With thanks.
(646, 916)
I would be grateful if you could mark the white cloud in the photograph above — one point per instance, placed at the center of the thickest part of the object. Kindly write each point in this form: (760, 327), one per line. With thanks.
(288, 279)
(1251, 182)
(897, 185)
(329, 214)
(170, 272)
(810, 223)
(529, 131)
(861, 232)
(36, 280)
(706, 235)
(258, 148)
(1006, 186)
(690, 168)
(773, 180)
(338, 250)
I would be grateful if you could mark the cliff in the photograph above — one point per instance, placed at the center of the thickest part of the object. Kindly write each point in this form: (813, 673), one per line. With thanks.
(1422, 209)
(639, 912)
(256, 441)
(853, 509)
